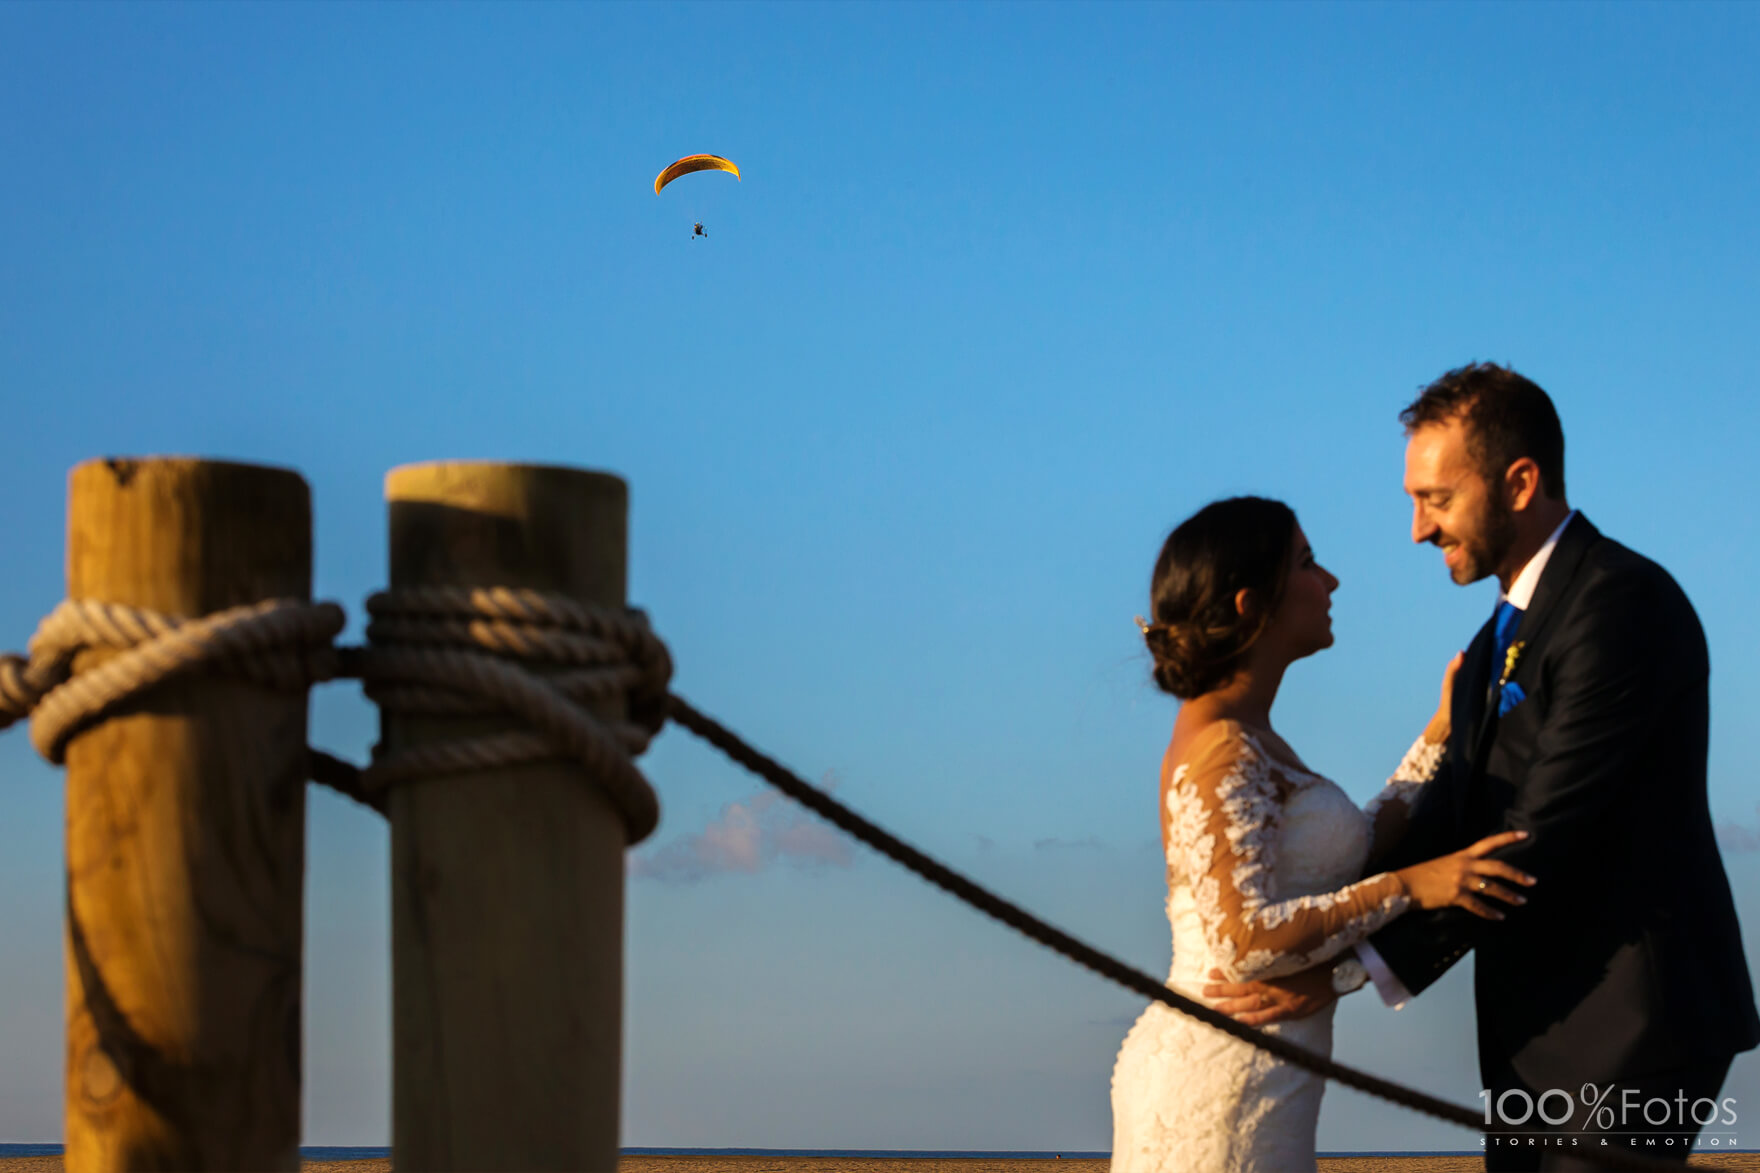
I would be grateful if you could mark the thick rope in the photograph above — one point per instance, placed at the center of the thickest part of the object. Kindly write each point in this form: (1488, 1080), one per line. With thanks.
(1107, 966)
(344, 777)
(455, 652)
(281, 643)
(430, 652)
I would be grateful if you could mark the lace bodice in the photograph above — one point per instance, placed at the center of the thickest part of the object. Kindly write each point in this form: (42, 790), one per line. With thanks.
(1263, 858)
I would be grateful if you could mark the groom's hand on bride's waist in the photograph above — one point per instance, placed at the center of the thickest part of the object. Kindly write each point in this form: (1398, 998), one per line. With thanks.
(1259, 1003)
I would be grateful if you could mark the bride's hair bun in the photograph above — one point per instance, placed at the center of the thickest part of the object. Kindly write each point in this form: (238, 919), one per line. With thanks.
(1196, 636)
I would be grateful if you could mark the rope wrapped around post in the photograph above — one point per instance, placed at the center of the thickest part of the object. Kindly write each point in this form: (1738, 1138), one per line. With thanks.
(281, 643)
(429, 651)
(440, 651)
(588, 685)
(453, 651)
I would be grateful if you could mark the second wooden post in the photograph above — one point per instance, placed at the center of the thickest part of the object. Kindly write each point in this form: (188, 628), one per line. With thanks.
(507, 885)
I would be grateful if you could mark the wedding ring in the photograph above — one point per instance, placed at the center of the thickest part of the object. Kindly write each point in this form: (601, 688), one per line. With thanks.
(1481, 885)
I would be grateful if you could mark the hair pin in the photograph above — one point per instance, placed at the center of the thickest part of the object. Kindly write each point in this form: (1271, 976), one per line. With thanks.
(1141, 626)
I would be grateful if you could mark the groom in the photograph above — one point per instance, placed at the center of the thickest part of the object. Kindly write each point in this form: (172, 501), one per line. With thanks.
(1581, 716)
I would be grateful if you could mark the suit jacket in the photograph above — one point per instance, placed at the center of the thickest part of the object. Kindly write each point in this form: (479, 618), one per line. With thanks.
(1627, 959)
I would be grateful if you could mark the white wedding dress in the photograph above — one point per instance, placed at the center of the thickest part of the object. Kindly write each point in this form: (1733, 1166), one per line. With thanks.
(1263, 860)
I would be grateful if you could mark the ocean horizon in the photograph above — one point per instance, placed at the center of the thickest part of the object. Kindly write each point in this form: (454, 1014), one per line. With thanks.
(370, 1153)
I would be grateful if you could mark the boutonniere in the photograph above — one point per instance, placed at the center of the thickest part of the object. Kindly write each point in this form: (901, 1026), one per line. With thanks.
(1510, 660)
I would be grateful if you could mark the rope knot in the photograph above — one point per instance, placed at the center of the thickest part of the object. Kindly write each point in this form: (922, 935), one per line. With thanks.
(590, 681)
(280, 643)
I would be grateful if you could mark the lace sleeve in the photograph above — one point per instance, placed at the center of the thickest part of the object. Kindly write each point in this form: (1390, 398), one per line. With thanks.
(1225, 810)
(1420, 765)
(1387, 811)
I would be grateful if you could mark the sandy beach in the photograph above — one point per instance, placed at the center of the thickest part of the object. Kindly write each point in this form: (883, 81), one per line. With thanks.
(1743, 1162)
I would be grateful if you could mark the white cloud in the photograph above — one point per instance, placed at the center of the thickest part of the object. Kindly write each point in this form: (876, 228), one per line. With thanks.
(747, 836)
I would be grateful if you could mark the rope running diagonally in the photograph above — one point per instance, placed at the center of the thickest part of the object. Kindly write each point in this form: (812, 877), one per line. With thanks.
(447, 651)
(1107, 966)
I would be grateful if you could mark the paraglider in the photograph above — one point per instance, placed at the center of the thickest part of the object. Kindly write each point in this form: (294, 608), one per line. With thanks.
(688, 165)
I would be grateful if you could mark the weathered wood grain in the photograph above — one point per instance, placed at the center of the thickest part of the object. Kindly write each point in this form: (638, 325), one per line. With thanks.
(186, 837)
(507, 886)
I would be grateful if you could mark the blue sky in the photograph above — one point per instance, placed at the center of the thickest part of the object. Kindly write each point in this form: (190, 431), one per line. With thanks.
(1004, 293)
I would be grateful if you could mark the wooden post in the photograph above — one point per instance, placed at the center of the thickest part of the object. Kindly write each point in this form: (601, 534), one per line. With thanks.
(186, 837)
(507, 885)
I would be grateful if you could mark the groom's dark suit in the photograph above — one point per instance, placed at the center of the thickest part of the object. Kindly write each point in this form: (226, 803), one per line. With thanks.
(1627, 959)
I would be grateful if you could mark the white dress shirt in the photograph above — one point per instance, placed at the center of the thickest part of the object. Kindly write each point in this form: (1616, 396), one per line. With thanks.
(1521, 593)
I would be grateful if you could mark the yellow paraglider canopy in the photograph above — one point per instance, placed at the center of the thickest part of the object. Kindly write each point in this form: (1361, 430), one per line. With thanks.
(692, 163)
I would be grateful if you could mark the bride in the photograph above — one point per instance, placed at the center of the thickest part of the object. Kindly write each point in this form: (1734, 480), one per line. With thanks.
(1263, 855)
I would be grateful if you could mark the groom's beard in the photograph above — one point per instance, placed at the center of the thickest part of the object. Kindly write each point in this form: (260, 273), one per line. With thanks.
(1482, 553)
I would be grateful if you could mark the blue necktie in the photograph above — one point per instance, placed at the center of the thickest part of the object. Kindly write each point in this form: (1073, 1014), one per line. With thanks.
(1509, 617)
